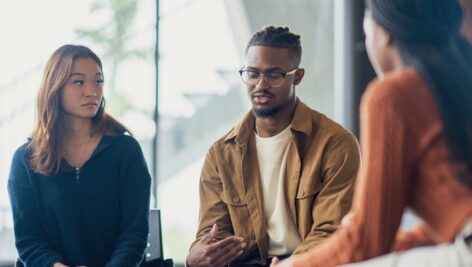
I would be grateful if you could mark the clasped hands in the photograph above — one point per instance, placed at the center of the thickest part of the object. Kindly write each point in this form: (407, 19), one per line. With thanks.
(207, 253)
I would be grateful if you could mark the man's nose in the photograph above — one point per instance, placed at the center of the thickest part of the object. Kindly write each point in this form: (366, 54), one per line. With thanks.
(262, 83)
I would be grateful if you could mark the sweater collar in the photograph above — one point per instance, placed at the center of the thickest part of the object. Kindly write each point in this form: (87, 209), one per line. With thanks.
(104, 143)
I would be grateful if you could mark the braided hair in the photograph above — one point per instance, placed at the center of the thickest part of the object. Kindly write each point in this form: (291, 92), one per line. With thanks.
(278, 37)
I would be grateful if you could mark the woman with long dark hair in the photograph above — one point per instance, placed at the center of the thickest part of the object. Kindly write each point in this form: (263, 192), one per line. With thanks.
(416, 139)
(79, 187)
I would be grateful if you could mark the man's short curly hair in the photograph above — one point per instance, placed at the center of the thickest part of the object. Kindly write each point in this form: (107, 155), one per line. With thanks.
(278, 37)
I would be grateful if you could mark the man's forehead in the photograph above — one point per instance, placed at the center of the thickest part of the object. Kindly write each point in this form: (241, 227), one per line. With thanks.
(268, 57)
(262, 50)
(269, 69)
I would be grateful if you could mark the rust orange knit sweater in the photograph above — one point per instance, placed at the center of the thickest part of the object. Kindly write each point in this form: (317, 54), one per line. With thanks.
(405, 164)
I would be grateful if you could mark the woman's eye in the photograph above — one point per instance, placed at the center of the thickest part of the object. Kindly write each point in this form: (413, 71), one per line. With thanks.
(78, 82)
(100, 82)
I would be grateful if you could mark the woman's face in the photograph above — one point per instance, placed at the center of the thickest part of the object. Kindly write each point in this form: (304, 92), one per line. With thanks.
(83, 91)
(378, 44)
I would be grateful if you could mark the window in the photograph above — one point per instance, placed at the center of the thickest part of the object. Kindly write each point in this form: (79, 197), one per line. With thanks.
(199, 99)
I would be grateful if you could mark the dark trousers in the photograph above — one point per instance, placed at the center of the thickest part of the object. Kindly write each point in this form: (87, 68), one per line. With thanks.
(267, 264)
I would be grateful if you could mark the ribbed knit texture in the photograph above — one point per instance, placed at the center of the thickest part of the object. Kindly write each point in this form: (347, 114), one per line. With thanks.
(97, 219)
(405, 163)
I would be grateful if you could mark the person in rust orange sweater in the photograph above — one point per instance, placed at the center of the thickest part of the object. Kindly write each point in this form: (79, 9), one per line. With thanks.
(416, 142)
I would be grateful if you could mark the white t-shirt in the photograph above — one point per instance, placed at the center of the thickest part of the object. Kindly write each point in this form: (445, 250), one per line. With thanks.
(272, 153)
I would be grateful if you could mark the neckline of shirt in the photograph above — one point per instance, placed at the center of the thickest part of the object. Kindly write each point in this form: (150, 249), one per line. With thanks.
(280, 137)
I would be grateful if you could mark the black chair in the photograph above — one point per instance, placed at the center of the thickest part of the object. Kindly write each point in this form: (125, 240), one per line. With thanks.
(154, 255)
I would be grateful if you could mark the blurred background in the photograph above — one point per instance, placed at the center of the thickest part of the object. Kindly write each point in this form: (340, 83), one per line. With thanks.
(171, 76)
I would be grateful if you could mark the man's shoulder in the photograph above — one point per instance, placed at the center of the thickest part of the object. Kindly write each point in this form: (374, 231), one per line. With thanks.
(240, 131)
(227, 138)
(331, 127)
(323, 124)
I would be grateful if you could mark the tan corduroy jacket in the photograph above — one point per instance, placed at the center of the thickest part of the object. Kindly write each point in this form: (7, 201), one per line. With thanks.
(320, 174)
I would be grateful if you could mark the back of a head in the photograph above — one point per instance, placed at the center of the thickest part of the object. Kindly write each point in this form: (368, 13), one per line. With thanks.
(278, 37)
(427, 34)
(420, 21)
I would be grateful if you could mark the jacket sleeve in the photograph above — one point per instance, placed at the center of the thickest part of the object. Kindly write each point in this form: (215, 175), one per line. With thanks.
(31, 241)
(213, 210)
(340, 168)
(135, 187)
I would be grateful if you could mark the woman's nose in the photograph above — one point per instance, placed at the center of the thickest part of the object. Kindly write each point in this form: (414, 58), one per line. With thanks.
(90, 91)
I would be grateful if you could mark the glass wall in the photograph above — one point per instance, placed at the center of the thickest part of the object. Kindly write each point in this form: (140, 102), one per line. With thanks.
(121, 32)
(199, 99)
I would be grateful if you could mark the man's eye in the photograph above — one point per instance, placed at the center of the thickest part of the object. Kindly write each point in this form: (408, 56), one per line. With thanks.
(252, 74)
(273, 75)
(78, 82)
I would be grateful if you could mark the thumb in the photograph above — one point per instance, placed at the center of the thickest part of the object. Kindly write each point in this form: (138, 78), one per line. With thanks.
(213, 232)
(275, 260)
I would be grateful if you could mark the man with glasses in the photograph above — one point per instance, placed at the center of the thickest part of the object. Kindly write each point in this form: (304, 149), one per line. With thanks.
(281, 180)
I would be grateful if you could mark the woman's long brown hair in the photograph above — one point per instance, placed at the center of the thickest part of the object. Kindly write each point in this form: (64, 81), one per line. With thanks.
(47, 136)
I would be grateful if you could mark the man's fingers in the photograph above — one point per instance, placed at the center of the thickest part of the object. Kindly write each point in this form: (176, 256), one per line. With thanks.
(217, 254)
(227, 250)
(228, 258)
(228, 253)
(228, 241)
(208, 237)
(229, 246)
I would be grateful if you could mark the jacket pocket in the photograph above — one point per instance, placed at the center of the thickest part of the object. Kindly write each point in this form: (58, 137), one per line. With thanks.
(307, 193)
(239, 213)
(233, 198)
(308, 188)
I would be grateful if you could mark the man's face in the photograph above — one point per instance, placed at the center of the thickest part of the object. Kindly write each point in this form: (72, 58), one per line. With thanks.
(267, 100)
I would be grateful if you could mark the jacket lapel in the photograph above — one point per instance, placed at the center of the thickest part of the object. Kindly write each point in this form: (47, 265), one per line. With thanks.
(292, 177)
(253, 189)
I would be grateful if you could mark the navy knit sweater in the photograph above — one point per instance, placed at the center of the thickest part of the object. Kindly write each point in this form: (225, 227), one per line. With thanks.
(96, 216)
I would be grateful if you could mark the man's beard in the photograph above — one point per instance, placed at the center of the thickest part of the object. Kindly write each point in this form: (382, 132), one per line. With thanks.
(265, 113)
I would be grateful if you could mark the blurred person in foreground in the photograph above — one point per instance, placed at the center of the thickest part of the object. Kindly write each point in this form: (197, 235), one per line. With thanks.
(416, 143)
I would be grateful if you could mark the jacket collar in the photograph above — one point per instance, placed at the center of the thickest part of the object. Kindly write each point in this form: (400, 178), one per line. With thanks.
(301, 122)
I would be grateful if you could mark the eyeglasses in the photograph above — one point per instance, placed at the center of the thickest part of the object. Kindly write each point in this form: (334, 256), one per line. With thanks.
(272, 78)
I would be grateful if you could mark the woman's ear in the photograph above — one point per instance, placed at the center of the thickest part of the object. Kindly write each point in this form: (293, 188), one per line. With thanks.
(298, 76)
(385, 40)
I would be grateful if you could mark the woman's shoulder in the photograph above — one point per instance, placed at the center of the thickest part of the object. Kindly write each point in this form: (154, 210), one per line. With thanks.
(24, 150)
(125, 141)
(23, 153)
(399, 88)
